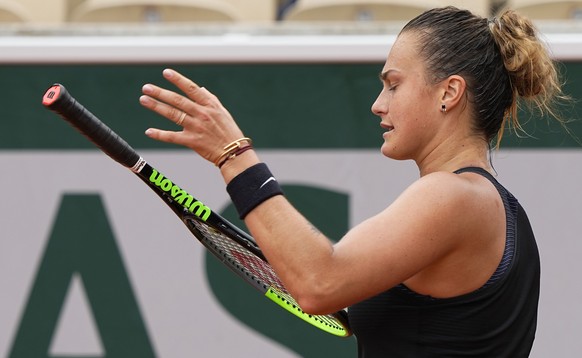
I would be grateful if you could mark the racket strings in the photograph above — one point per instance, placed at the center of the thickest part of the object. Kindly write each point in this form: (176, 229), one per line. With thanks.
(257, 270)
(236, 254)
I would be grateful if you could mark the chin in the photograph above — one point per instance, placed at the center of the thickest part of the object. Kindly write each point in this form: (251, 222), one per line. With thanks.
(392, 153)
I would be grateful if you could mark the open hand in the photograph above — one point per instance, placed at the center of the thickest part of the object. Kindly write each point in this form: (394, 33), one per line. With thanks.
(207, 127)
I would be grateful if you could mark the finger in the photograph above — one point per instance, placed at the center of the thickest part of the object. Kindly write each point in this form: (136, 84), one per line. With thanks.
(173, 113)
(163, 135)
(190, 88)
(209, 95)
(180, 121)
(169, 97)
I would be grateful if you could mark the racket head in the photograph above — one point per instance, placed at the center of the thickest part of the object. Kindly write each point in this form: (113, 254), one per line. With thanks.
(238, 251)
(259, 273)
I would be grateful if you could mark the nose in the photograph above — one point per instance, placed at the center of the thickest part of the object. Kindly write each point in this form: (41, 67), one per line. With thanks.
(380, 106)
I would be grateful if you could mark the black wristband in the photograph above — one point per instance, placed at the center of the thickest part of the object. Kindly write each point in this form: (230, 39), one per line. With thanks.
(251, 187)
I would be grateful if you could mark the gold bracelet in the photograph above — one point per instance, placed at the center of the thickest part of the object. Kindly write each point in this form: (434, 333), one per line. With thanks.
(234, 154)
(231, 148)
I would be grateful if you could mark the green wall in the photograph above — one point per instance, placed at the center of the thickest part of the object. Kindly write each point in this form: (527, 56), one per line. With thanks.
(326, 105)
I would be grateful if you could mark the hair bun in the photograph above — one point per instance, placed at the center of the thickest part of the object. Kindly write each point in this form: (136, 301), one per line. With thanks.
(526, 58)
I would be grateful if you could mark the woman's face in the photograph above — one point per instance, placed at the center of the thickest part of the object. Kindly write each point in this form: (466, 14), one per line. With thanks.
(407, 105)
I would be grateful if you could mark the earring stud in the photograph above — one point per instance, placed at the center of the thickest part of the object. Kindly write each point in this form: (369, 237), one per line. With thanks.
(443, 108)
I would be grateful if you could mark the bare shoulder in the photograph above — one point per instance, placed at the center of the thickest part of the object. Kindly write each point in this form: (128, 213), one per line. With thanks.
(454, 204)
(426, 236)
(448, 188)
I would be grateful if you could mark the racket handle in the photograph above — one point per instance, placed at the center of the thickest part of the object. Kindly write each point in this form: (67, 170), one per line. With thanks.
(58, 99)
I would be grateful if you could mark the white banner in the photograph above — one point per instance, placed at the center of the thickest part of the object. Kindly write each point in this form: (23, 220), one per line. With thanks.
(165, 264)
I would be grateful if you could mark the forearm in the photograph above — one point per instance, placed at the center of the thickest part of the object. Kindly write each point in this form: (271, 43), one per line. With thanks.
(300, 254)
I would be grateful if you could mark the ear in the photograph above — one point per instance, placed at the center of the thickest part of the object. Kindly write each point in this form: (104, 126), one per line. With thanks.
(453, 91)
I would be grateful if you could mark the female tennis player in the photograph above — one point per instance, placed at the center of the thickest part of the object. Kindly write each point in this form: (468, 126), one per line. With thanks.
(451, 267)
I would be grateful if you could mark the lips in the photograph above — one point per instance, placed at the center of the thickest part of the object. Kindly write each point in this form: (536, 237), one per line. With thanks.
(386, 126)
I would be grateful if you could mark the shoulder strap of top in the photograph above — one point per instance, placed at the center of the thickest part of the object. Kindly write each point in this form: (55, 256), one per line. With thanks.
(477, 170)
(511, 209)
(487, 175)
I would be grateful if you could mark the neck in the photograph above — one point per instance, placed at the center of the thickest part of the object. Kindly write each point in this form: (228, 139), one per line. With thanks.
(451, 155)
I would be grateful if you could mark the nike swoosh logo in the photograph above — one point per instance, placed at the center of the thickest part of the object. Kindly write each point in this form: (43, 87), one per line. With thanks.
(267, 181)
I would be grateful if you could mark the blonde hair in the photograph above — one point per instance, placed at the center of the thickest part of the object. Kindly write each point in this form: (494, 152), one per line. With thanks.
(532, 72)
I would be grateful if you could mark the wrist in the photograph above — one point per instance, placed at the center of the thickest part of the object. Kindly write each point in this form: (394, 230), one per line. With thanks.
(251, 187)
(235, 166)
(233, 149)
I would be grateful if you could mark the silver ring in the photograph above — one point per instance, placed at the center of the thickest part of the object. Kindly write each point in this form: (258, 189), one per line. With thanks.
(181, 120)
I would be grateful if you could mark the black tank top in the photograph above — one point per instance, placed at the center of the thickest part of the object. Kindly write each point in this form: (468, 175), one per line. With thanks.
(497, 320)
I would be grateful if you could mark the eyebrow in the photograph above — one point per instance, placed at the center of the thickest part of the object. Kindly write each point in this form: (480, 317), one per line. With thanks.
(384, 75)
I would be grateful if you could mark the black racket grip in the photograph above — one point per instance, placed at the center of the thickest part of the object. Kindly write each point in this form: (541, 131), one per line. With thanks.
(58, 99)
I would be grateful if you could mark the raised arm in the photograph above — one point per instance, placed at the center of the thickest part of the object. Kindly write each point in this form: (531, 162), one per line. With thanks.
(421, 229)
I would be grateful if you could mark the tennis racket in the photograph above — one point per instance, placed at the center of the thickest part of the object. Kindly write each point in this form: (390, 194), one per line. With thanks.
(231, 245)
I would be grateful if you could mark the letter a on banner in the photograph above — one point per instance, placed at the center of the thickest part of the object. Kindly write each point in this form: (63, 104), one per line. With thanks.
(82, 245)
